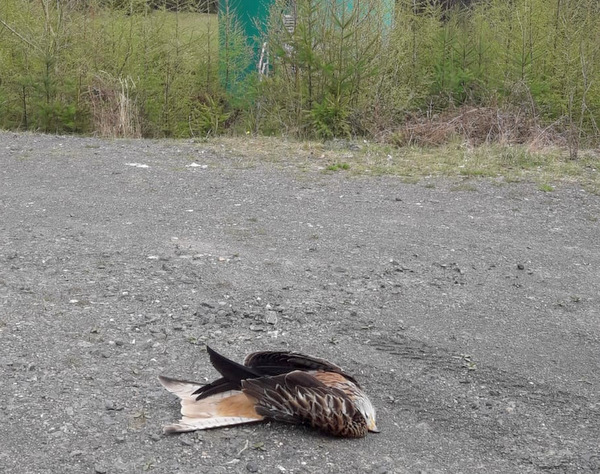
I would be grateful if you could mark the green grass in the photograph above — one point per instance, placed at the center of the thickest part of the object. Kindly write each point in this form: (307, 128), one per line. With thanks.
(545, 187)
(338, 167)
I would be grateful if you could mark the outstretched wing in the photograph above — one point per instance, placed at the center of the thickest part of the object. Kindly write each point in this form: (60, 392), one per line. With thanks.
(299, 397)
(277, 363)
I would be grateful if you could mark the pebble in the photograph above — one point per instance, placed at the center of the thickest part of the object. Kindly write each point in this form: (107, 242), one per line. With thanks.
(252, 467)
(100, 469)
(271, 317)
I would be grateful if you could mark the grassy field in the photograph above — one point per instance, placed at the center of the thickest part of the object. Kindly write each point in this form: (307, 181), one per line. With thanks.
(548, 167)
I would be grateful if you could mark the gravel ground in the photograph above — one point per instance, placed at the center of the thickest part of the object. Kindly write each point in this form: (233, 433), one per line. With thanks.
(471, 317)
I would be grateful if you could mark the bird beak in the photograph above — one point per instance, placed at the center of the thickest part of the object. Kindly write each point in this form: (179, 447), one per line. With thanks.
(373, 428)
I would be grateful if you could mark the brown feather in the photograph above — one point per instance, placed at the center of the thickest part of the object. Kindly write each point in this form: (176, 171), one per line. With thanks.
(300, 397)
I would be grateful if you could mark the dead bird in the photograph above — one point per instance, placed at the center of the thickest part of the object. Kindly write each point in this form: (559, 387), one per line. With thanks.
(283, 386)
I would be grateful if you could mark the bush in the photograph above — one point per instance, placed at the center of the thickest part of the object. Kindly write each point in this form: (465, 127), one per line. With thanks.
(152, 68)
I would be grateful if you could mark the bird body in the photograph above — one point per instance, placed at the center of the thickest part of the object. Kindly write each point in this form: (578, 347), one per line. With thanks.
(282, 386)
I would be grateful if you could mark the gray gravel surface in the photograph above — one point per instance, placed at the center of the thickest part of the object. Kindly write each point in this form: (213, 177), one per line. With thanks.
(470, 317)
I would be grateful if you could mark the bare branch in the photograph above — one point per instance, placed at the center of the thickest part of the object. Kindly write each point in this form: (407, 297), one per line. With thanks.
(19, 35)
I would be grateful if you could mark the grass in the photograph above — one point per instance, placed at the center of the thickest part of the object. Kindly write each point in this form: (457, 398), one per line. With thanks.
(338, 167)
(550, 166)
(545, 187)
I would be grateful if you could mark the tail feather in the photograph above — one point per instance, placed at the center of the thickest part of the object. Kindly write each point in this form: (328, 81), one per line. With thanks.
(181, 388)
(193, 424)
(221, 409)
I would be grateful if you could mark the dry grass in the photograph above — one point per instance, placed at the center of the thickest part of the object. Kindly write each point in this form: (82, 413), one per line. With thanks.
(114, 108)
(509, 163)
(476, 126)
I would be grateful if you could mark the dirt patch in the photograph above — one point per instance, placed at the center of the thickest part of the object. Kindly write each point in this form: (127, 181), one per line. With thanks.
(470, 317)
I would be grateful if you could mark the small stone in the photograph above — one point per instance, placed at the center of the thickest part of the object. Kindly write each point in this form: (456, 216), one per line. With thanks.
(252, 467)
(520, 266)
(271, 317)
(155, 437)
(100, 469)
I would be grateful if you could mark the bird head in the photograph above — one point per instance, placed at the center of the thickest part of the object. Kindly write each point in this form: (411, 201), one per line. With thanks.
(367, 410)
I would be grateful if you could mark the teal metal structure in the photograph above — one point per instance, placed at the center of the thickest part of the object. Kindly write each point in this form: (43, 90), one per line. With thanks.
(248, 17)
(252, 17)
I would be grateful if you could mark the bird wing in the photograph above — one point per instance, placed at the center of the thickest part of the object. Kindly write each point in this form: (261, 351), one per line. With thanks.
(291, 360)
(282, 362)
(232, 372)
(261, 364)
(299, 397)
(229, 369)
(217, 386)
